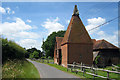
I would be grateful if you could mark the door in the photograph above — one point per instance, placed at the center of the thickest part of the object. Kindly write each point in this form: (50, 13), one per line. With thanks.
(60, 57)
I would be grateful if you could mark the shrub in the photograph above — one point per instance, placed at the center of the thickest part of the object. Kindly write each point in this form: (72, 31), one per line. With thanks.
(11, 50)
(49, 57)
(35, 54)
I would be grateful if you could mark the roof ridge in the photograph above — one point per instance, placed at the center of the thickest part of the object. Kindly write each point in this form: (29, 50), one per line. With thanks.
(110, 43)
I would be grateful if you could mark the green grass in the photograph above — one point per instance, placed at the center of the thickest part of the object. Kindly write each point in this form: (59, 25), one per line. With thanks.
(103, 73)
(46, 60)
(19, 69)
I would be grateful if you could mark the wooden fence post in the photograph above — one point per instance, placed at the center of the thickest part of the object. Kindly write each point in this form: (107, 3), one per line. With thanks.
(67, 68)
(71, 70)
(93, 73)
(83, 71)
(42, 60)
(107, 75)
(74, 65)
(81, 66)
(48, 60)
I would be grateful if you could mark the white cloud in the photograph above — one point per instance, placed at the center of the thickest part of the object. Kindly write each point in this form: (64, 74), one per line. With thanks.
(53, 25)
(29, 21)
(25, 34)
(13, 12)
(8, 10)
(110, 38)
(2, 10)
(13, 27)
(100, 34)
(19, 31)
(94, 22)
(28, 43)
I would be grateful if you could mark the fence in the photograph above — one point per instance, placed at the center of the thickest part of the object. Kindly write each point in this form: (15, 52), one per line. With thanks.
(82, 68)
(114, 67)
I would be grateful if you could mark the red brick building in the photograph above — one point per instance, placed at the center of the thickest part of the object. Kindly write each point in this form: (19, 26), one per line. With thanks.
(76, 45)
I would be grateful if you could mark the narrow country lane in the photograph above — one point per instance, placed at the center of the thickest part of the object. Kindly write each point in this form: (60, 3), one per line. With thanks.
(47, 71)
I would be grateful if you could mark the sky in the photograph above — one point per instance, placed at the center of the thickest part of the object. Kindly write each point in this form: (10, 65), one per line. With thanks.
(27, 23)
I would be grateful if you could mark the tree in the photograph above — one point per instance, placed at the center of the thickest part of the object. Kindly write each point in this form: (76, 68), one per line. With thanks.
(48, 45)
(35, 54)
(30, 51)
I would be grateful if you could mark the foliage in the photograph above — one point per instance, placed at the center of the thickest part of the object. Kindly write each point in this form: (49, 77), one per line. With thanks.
(19, 69)
(96, 59)
(35, 54)
(30, 52)
(43, 57)
(48, 45)
(11, 50)
(27, 54)
(49, 57)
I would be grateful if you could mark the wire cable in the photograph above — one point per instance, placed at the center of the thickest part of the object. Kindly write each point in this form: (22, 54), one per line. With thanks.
(104, 23)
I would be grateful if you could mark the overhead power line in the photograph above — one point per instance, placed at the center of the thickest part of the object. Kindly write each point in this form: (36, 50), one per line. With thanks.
(104, 23)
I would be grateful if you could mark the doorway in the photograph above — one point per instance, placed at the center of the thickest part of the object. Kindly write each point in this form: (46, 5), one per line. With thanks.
(60, 56)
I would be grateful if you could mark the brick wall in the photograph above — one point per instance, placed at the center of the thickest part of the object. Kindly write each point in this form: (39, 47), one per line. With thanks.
(64, 51)
(80, 53)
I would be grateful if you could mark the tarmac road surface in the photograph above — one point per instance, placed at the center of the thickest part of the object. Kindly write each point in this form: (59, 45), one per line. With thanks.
(47, 71)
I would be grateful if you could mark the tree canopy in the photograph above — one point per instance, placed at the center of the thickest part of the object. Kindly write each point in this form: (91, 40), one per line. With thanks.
(31, 51)
(48, 45)
(35, 54)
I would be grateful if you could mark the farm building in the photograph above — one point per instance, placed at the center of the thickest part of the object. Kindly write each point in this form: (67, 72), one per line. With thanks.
(105, 53)
(77, 46)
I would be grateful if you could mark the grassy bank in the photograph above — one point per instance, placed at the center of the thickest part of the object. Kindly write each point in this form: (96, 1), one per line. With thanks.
(19, 69)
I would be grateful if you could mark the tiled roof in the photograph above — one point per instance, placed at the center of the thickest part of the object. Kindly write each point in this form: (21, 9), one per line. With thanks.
(102, 44)
(76, 32)
(59, 40)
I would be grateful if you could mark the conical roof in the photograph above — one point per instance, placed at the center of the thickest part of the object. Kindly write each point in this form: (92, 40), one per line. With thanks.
(76, 32)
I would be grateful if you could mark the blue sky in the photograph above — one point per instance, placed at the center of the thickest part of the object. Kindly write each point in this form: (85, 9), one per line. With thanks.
(28, 22)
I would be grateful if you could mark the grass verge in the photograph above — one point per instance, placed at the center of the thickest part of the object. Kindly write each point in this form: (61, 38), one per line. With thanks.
(19, 69)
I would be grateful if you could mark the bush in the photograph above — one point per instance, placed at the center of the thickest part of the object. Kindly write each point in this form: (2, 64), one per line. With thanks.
(30, 51)
(49, 57)
(35, 54)
(97, 59)
(11, 50)
(43, 57)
